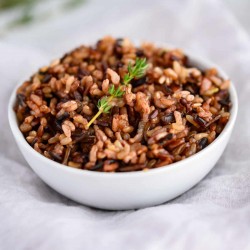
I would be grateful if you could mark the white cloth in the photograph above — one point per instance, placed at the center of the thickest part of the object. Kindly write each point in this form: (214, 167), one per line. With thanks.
(215, 214)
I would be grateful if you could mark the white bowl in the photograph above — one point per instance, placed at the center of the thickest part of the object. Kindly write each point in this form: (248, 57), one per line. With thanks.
(117, 191)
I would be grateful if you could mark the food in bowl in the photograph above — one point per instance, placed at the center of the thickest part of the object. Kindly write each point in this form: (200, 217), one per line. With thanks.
(115, 107)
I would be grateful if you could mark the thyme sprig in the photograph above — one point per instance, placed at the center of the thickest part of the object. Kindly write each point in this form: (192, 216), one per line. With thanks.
(104, 104)
(115, 92)
(135, 72)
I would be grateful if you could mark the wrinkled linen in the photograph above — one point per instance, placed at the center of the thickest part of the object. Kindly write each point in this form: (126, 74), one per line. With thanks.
(215, 214)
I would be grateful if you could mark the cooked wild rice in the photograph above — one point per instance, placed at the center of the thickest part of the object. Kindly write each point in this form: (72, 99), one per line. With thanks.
(169, 114)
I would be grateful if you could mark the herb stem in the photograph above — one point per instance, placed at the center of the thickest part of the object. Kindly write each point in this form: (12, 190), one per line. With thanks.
(110, 98)
(94, 117)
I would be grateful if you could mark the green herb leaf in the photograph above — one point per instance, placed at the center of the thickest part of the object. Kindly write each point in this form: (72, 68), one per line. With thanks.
(115, 92)
(103, 104)
(137, 71)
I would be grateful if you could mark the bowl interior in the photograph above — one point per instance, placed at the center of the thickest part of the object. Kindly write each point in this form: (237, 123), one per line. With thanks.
(195, 61)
